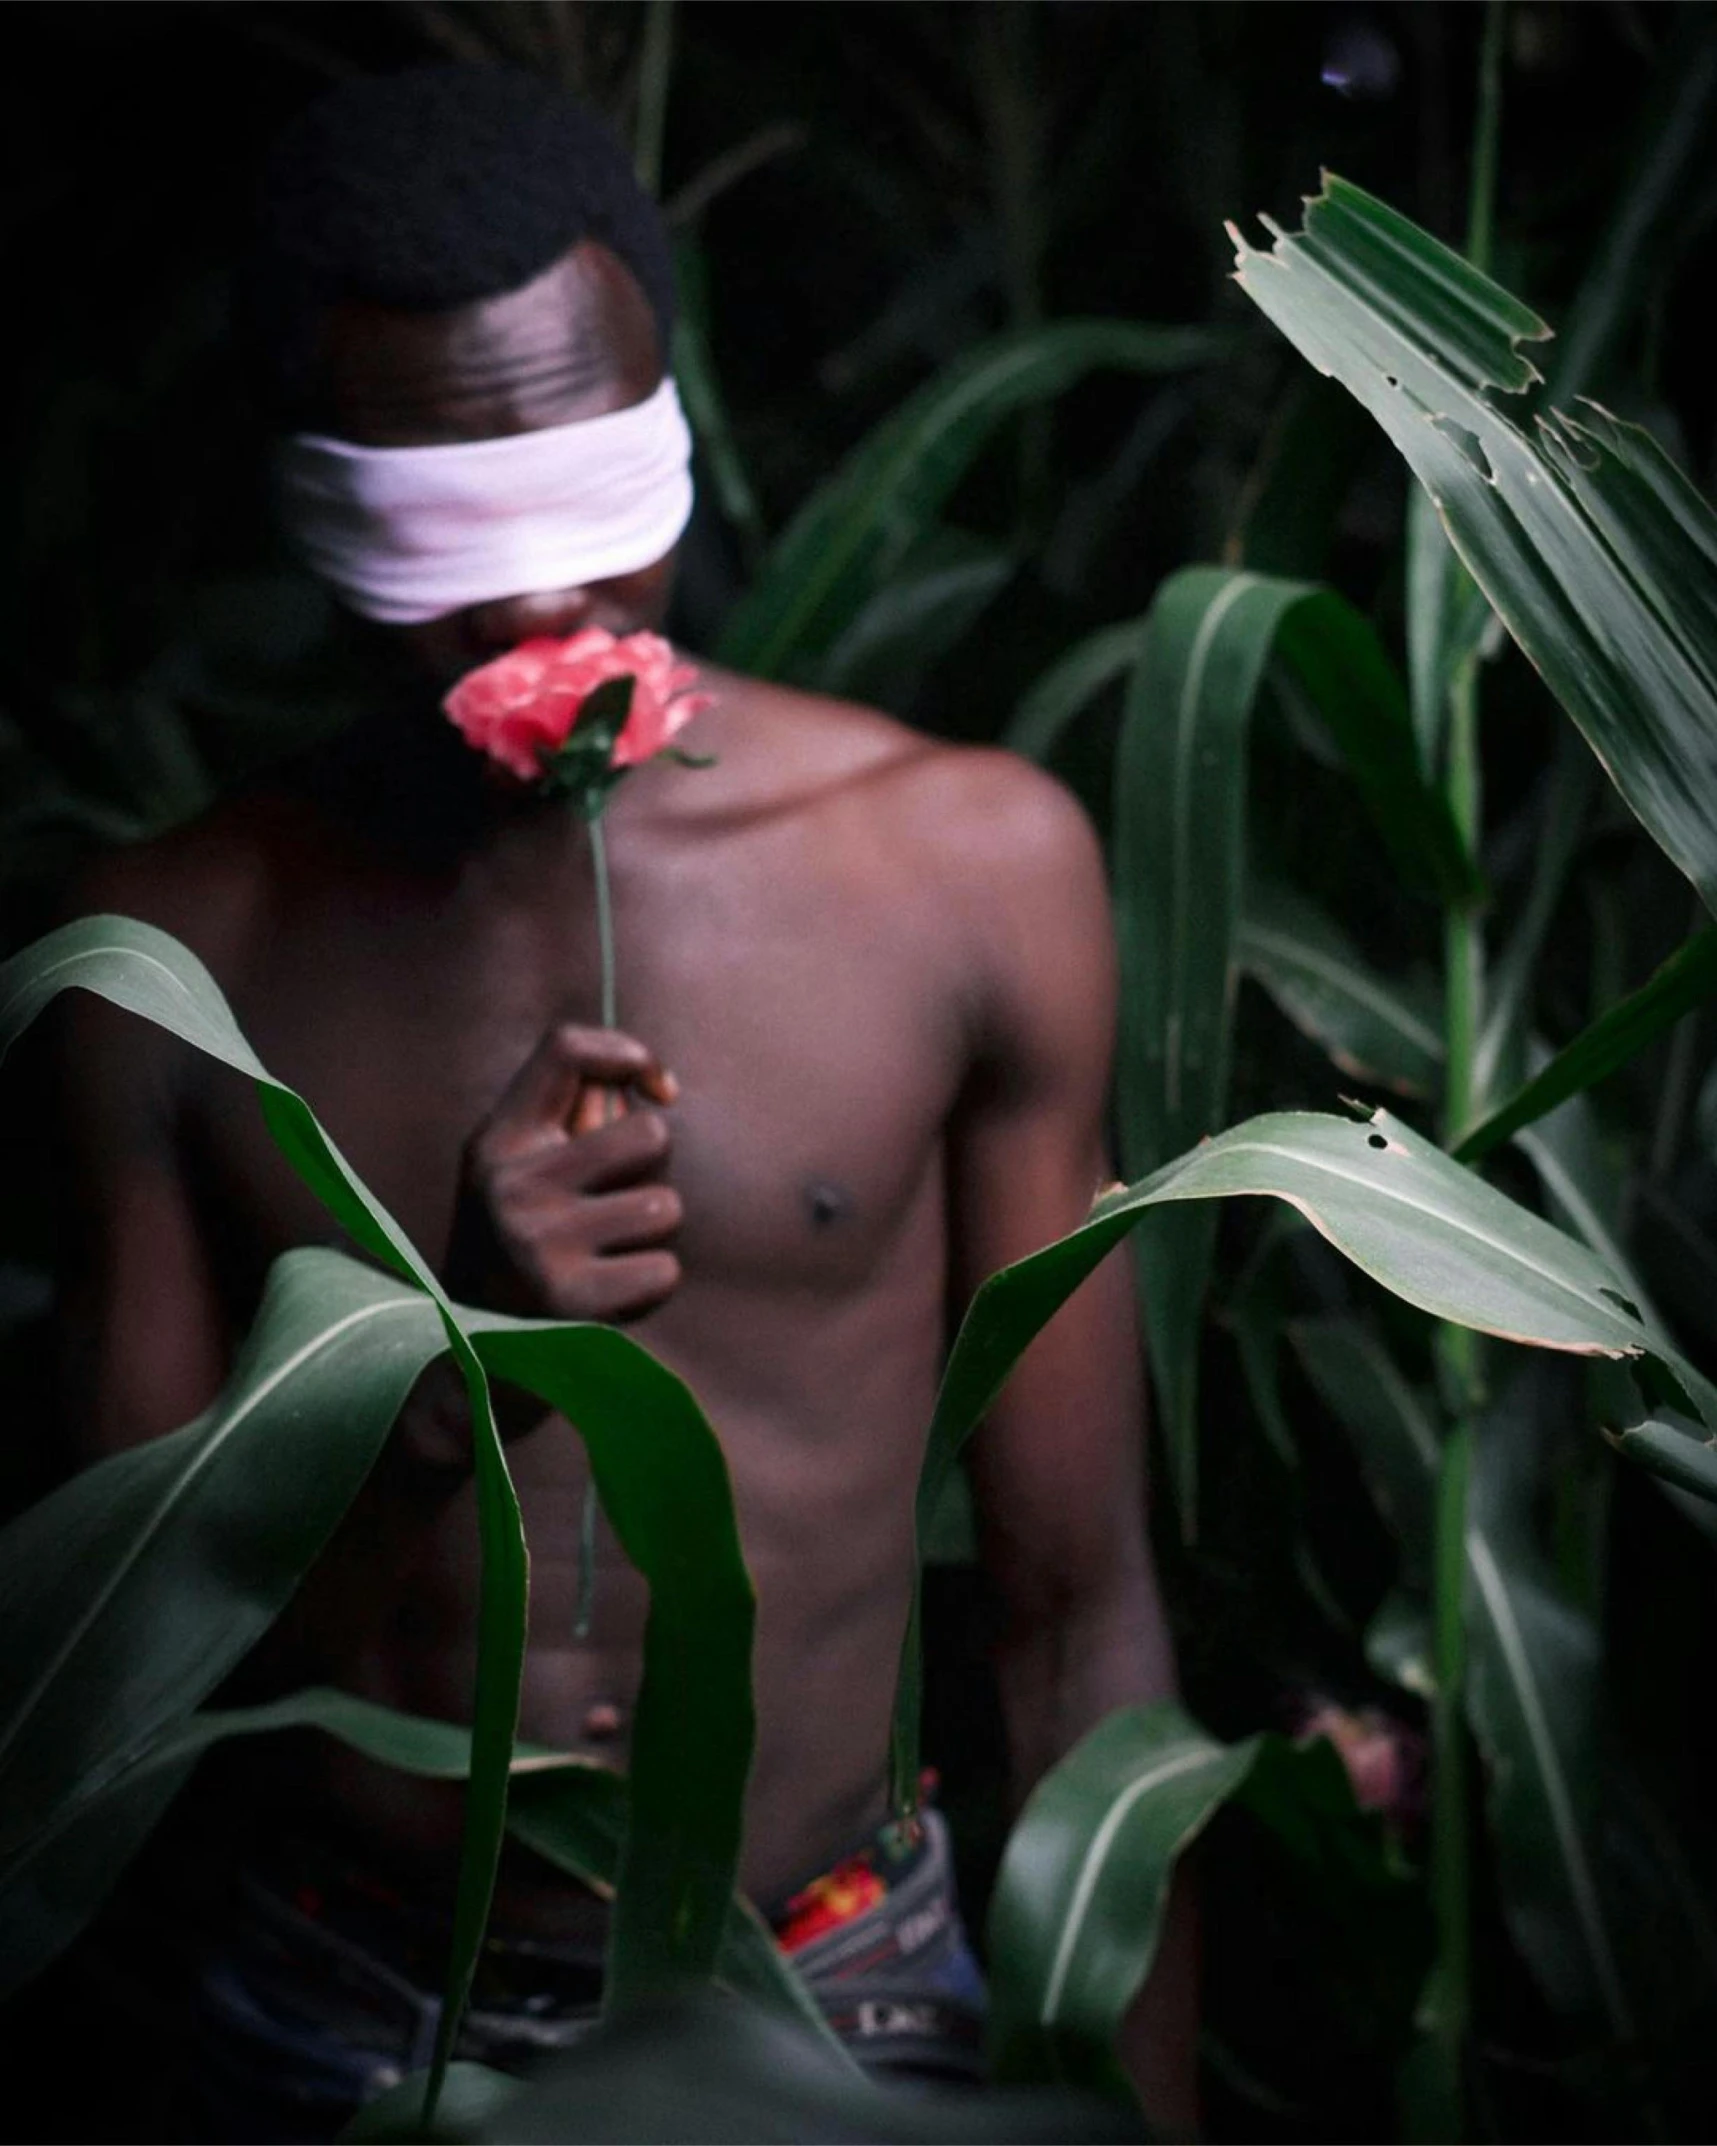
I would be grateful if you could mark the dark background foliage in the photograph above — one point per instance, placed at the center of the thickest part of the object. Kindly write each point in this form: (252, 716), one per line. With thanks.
(860, 193)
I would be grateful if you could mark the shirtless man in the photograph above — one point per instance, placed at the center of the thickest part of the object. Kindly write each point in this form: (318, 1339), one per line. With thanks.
(879, 969)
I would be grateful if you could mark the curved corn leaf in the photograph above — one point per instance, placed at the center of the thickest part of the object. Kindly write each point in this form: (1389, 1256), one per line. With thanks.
(1398, 1207)
(568, 1810)
(1079, 1898)
(1383, 1031)
(699, 2067)
(664, 1486)
(1502, 1047)
(699, 1632)
(1344, 671)
(130, 1592)
(204, 1534)
(1534, 1676)
(845, 541)
(1681, 1453)
(1683, 982)
(1179, 868)
(1392, 1425)
(1078, 1905)
(1592, 548)
(1179, 864)
(150, 973)
(1068, 688)
(1649, 221)
(928, 604)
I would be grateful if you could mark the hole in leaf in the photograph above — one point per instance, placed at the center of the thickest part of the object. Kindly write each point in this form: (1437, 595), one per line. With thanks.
(1389, 380)
(1470, 445)
(1615, 1296)
(1375, 1140)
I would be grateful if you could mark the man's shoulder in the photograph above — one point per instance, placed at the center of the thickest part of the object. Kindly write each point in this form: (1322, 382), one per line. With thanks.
(205, 882)
(962, 808)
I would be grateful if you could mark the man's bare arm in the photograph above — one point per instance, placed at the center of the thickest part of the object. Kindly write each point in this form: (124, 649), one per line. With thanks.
(1058, 1468)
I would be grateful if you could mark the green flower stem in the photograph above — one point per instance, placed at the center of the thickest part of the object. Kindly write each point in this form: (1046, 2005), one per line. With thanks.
(604, 919)
(610, 1008)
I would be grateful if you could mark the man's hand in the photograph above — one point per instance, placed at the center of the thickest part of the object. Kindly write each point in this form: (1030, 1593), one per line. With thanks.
(562, 1212)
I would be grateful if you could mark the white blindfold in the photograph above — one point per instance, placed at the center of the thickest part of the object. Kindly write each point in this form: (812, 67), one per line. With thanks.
(406, 534)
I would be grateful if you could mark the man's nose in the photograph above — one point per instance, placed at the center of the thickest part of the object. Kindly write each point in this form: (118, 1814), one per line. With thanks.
(508, 620)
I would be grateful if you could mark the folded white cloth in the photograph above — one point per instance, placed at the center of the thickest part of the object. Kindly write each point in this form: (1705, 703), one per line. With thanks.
(406, 534)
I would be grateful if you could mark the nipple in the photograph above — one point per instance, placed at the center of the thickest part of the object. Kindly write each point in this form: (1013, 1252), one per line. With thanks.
(602, 1721)
(826, 1203)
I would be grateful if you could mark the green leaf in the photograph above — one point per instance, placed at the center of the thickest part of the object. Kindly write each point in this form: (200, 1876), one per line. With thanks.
(1079, 1899)
(1399, 1208)
(1374, 1030)
(1064, 692)
(929, 604)
(1391, 1424)
(1592, 548)
(1500, 1053)
(134, 1589)
(1179, 871)
(1584, 1190)
(1077, 1910)
(149, 972)
(676, 1523)
(1683, 982)
(700, 2067)
(1179, 864)
(1533, 1694)
(1677, 1452)
(567, 1809)
(1648, 222)
(847, 538)
(1343, 668)
(664, 1486)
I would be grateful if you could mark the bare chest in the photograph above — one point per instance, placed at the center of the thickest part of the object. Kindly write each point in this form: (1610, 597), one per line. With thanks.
(808, 1015)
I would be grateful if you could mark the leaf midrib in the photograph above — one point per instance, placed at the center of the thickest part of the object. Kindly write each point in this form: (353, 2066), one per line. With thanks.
(175, 1493)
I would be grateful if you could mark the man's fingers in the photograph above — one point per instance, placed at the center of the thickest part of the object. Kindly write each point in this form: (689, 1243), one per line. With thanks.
(623, 1151)
(631, 1221)
(545, 1092)
(627, 1287)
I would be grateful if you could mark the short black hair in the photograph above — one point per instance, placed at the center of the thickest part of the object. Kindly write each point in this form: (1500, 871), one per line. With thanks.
(427, 189)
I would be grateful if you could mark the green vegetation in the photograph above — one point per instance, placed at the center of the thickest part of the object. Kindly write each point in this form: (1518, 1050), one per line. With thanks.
(1437, 1473)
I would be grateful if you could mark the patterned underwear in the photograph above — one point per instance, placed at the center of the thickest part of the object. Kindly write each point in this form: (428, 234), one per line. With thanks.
(323, 1993)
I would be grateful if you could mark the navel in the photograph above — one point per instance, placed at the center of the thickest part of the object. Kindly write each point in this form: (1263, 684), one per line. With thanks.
(827, 1203)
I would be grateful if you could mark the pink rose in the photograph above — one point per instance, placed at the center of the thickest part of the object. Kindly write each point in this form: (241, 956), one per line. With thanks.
(524, 704)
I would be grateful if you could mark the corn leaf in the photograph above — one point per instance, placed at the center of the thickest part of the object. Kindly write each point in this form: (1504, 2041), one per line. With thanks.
(1533, 1667)
(150, 973)
(1399, 1208)
(1077, 1910)
(1534, 1677)
(677, 1521)
(1683, 982)
(1068, 688)
(568, 1810)
(130, 1592)
(1079, 1899)
(1594, 551)
(846, 539)
(1179, 875)
(1377, 1029)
